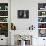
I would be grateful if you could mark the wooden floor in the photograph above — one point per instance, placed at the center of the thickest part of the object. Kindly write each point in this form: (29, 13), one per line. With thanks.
(3, 45)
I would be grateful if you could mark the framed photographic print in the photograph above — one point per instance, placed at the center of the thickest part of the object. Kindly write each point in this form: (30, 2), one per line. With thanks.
(23, 13)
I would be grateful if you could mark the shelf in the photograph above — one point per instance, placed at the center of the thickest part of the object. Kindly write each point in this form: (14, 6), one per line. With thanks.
(41, 22)
(3, 22)
(3, 16)
(41, 10)
(42, 16)
(41, 28)
(3, 10)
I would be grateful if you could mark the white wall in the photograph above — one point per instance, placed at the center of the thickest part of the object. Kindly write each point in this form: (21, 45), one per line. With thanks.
(23, 24)
(32, 6)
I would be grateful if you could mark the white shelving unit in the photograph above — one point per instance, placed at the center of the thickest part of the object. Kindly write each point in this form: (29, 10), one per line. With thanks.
(4, 23)
(42, 18)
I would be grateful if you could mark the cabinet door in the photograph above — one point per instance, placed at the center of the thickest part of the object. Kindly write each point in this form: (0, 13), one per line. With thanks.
(42, 41)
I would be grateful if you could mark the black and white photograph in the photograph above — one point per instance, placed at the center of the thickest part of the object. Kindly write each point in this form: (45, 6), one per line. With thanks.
(23, 13)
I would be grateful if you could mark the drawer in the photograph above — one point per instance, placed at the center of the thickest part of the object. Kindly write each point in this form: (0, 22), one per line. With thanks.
(3, 41)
